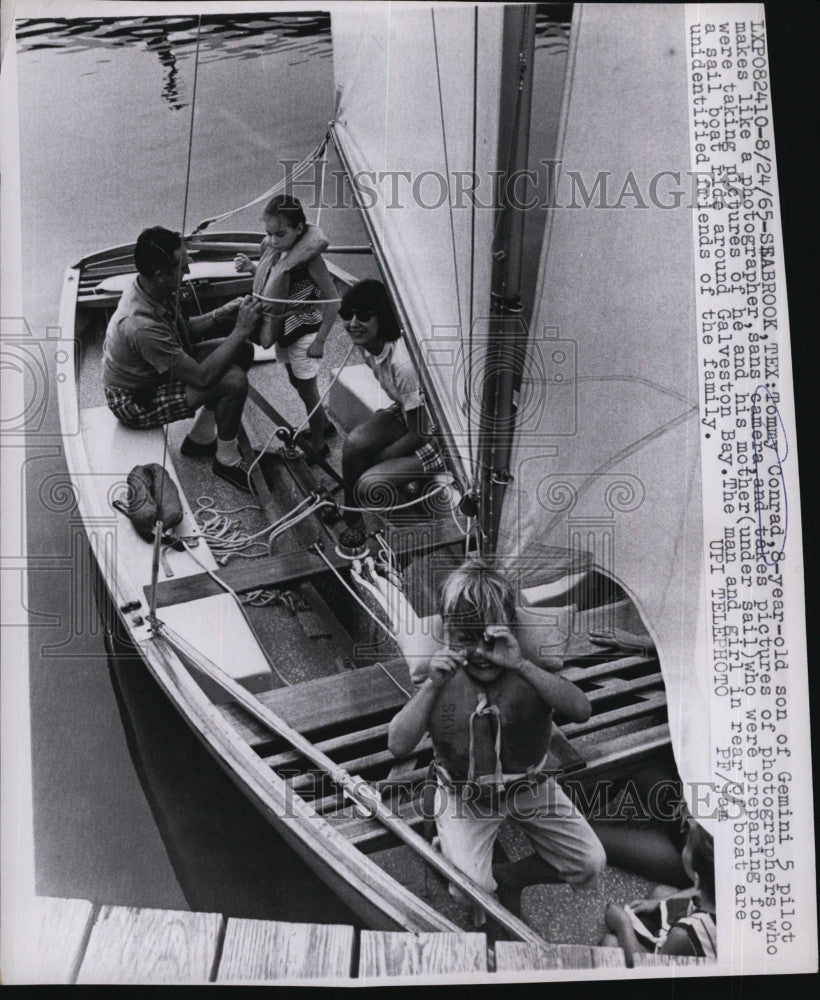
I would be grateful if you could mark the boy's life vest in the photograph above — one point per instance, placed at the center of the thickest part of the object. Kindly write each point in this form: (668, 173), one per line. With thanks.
(490, 733)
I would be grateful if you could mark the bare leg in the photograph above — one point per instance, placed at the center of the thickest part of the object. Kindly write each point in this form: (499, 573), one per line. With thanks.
(618, 923)
(380, 485)
(308, 390)
(361, 450)
(647, 852)
(226, 398)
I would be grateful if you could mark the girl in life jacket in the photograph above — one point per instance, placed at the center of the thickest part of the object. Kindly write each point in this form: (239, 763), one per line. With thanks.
(291, 275)
(489, 714)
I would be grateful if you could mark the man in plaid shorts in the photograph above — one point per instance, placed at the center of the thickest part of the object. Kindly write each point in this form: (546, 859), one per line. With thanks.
(158, 366)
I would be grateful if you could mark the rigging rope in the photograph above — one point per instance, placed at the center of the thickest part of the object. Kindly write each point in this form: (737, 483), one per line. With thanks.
(468, 368)
(294, 431)
(304, 303)
(158, 529)
(280, 186)
(226, 538)
(323, 162)
(364, 607)
(325, 394)
(453, 234)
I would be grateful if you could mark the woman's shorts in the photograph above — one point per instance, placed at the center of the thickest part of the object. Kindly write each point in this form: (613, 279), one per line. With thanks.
(296, 356)
(156, 408)
(428, 454)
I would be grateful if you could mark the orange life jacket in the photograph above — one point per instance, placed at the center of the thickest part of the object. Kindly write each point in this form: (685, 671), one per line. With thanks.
(490, 733)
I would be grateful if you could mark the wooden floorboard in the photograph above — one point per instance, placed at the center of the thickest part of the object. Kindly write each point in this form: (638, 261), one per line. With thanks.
(328, 701)
(625, 751)
(150, 946)
(370, 835)
(643, 705)
(60, 931)
(267, 571)
(607, 668)
(393, 953)
(271, 951)
(290, 757)
(615, 686)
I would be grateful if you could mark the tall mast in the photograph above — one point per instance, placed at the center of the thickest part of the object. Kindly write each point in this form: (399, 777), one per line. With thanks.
(507, 338)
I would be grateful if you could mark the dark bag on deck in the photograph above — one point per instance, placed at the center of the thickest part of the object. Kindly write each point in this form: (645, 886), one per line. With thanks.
(152, 497)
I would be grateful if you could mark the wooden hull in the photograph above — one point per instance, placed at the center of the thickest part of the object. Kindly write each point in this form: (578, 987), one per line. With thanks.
(379, 900)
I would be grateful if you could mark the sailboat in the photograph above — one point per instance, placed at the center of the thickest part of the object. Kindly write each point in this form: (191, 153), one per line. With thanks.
(559, 471)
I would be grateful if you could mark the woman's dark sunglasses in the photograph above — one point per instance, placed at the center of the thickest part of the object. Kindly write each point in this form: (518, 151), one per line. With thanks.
(362, 314)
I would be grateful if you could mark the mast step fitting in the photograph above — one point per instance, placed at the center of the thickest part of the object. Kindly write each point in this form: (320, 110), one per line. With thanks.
(507, 303)
(330, 515)
(352, 544)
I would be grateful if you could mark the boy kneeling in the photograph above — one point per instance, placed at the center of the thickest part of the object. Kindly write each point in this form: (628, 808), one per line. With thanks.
(489, 715)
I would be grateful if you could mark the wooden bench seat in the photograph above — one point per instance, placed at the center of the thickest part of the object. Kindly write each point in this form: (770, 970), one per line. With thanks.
(212, 622)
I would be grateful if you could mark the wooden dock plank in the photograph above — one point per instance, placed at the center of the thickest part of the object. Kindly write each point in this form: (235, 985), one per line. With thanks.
(272, 951)
(517, 956)
(393, 953)
(60, 931)
(130, 945)
(646, 961)
(607, 958)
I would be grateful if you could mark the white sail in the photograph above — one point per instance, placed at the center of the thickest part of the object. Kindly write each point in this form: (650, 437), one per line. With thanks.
(611, 461)
(417, 109)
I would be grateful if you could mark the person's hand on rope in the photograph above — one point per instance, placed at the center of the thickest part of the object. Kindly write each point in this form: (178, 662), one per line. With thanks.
(243, 264)
(247, 316)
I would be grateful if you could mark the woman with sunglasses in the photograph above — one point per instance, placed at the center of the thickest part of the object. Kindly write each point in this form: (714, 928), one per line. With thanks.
(390, 448)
